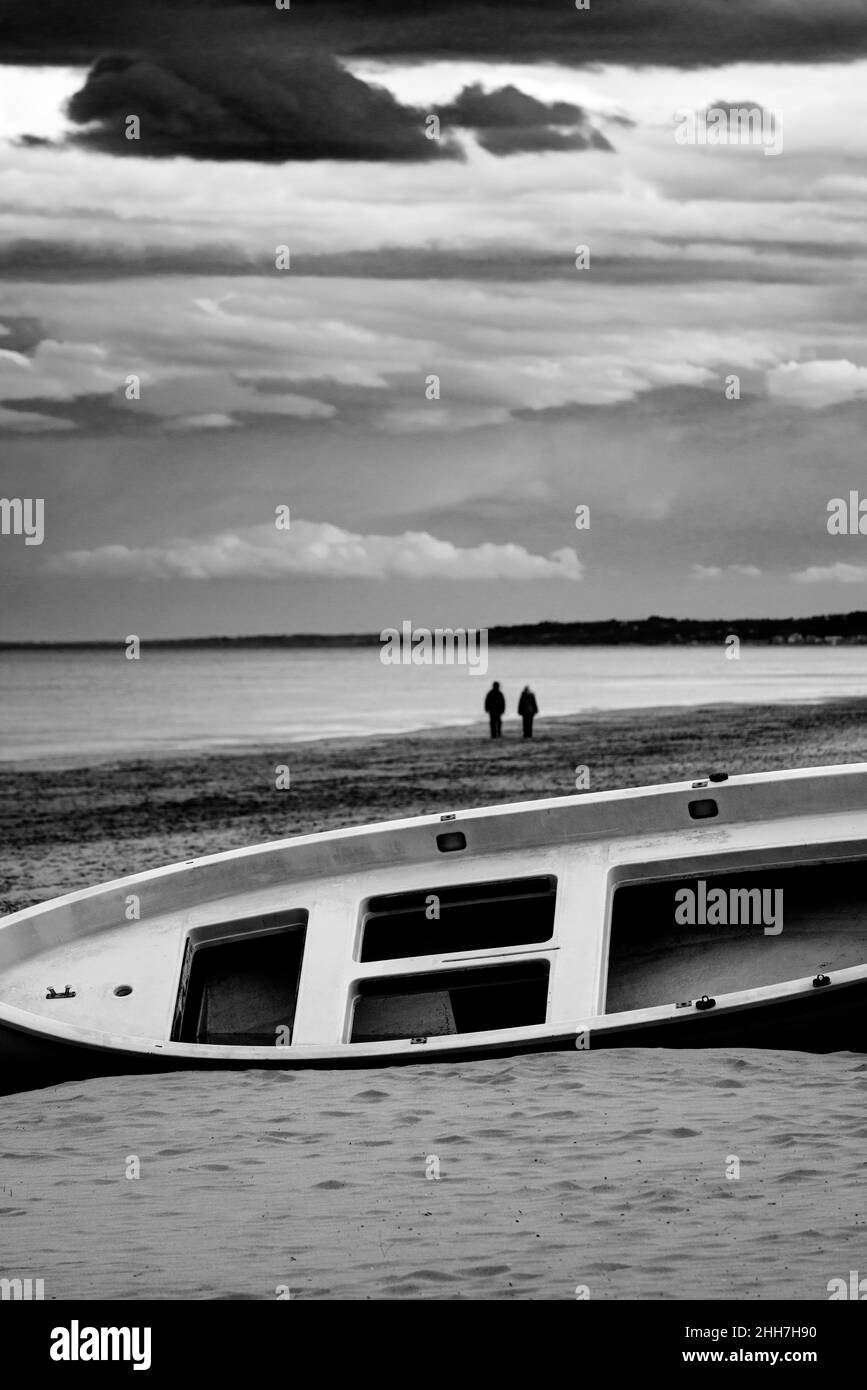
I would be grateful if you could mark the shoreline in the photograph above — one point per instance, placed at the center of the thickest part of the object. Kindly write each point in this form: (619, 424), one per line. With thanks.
(233, 749)
(71, 827)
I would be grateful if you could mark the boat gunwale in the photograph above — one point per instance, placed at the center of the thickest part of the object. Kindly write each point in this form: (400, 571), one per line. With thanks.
(454, 818)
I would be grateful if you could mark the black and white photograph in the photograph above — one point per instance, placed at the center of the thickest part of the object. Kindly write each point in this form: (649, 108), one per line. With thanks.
(380, 381)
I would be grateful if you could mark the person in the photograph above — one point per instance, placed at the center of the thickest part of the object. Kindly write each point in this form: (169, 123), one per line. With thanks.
(528, 709)
(495, 706)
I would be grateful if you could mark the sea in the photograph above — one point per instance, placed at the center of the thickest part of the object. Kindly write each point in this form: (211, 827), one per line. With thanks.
(93, 704)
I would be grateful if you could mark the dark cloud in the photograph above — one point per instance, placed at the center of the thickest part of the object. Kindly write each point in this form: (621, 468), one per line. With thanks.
(508, 107)
(93, 414)
(764, 262)
(47, 261)
(215, 104)
(676, 33)
(508, 121)
(735, 112)
(54, 32)
(538, 139)
(20, 333)
(109, 414)
(276, 109)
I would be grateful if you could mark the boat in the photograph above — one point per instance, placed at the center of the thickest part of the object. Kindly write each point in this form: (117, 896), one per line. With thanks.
(721, 912)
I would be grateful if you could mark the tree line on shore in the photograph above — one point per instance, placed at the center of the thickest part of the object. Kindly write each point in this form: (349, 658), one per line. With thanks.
(830, 628)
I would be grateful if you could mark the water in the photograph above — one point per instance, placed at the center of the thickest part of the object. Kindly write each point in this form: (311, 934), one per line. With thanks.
(88, 704)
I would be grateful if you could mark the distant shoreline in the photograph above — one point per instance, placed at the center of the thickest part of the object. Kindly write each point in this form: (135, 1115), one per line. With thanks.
(827, 629)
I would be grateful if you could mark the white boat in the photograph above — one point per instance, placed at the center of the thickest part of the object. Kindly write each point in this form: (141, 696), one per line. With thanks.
(720, 912)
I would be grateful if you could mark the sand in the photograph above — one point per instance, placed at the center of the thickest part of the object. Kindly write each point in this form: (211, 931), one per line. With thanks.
(603, 1170)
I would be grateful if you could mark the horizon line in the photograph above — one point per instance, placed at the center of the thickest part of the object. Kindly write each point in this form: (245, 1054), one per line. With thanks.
(652, 623)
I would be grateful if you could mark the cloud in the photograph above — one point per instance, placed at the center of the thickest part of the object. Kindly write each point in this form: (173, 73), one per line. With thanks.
(215, 421)
(359, 353)
(215, 103)
(840, 573)
(721, 571)
(29, 422)
(98, 259)
(736, 116)
(84, 384)
(508, 121)
(218, 105)
(61, 370)
(20, 333)
(669, 33)
(540, 140)
(321, 550)
(817, 384)
(442, 419)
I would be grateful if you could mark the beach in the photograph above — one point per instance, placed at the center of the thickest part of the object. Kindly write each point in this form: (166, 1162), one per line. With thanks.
(558, 1173)
(606, 1175)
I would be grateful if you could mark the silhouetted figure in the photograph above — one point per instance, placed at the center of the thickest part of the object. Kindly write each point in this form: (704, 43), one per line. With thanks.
(528, 709)
(495, 706)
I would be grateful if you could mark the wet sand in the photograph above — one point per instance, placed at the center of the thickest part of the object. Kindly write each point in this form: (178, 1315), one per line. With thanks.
(603, 1170)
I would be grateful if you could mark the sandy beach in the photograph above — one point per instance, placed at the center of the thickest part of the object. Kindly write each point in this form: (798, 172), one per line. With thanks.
(556, 1172)
(605, 1170)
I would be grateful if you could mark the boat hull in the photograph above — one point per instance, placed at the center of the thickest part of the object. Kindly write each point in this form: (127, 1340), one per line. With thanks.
(577, 923)
(820, 1020)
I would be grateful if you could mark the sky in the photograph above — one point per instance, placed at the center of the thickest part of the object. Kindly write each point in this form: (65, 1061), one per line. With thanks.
(336, 273)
